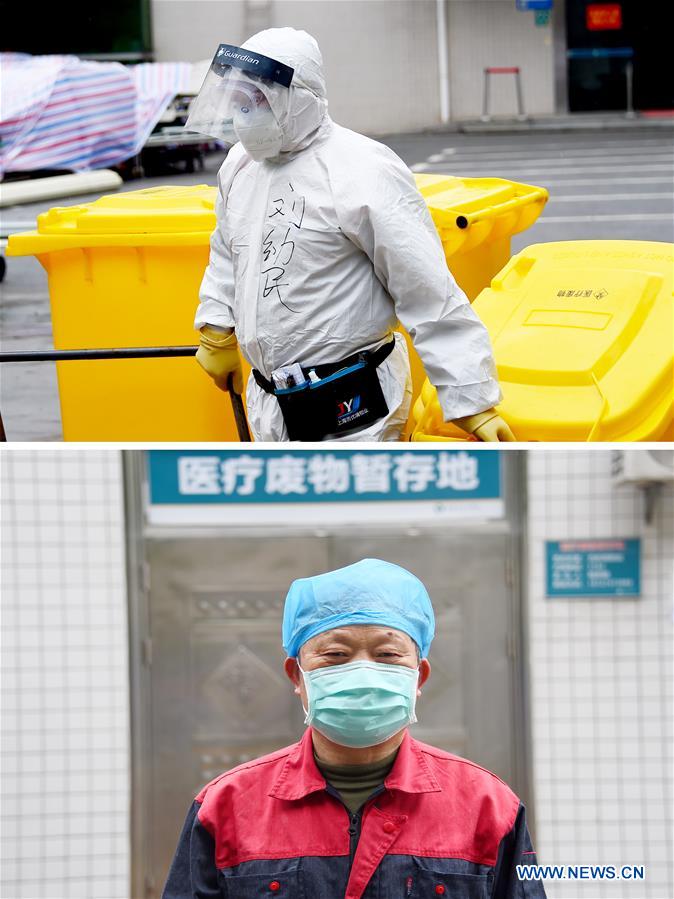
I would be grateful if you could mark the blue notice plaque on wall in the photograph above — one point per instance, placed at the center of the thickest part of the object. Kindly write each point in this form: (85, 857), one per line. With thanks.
(524, 5)
(610, 567)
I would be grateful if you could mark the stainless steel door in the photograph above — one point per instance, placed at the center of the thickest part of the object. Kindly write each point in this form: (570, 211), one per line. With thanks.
(218, 692)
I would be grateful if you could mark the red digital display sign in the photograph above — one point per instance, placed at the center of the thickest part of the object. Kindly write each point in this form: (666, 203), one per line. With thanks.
(604, 16)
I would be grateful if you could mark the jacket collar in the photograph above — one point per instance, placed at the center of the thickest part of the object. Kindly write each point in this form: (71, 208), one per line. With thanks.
(410, 772)
(300, 775)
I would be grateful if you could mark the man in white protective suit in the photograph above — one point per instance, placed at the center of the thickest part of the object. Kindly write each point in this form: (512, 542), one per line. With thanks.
(322, 244)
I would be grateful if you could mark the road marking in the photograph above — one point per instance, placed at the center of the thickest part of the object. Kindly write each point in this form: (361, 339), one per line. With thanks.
(551, 170)
(612, 198)
(571, 153)
(489, 147)
(629, 217)
(613, 162)
(621, 161)
(10, 227)
(588, 182)
(581, 182)
(528, 158)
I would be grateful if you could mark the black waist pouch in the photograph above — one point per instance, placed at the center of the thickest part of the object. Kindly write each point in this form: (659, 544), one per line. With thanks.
(339, 404)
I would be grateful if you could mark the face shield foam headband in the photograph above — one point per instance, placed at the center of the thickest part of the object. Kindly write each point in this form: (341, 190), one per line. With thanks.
(238, 99)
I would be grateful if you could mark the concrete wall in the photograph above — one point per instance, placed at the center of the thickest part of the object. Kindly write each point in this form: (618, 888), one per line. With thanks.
(381, 57)
(190, 30)
(380, 60)
(494, 33)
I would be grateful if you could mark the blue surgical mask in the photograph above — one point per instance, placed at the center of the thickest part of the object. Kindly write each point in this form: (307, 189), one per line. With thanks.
(361, 703)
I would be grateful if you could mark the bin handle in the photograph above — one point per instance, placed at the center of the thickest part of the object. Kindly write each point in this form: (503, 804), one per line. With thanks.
(604, 407)
(127, 353)
(145, 352)
(239, 412)
(470, 218)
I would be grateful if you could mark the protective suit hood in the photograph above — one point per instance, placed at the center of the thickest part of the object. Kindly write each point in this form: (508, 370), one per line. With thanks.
(302, 109)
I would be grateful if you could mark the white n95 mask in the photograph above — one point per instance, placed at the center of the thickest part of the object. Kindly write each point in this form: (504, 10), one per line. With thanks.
(257, 129)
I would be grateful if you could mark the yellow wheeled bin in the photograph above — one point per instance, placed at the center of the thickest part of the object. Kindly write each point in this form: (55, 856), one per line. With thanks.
(583, 338)
(475, 218)
(125, 270)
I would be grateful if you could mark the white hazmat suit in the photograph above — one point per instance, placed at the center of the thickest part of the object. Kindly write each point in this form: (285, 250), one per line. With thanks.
(320, 250)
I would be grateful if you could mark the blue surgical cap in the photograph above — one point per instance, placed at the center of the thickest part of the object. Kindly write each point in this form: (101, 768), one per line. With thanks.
(368, 592)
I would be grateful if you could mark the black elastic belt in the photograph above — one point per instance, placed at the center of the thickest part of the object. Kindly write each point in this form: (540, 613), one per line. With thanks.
(370, 357)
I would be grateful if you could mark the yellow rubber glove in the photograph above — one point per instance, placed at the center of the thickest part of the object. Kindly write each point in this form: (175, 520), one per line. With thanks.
(219, 357)
(487, 426)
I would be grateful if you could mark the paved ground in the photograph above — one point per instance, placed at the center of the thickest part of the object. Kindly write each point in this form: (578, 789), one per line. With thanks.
(603, 184)
(613, 185)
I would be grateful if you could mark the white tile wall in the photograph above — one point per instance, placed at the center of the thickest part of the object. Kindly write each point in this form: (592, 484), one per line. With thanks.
(65, 743)
(601, 685)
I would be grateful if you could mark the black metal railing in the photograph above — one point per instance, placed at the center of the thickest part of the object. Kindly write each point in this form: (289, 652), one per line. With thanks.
(154, 352)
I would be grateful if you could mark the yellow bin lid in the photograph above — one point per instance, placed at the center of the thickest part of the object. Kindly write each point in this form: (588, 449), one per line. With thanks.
(470, 211)
(155, 215)
(583, 338)
(466, 212)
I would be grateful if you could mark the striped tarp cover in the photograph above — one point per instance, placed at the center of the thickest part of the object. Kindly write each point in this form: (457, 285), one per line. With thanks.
(61, 112)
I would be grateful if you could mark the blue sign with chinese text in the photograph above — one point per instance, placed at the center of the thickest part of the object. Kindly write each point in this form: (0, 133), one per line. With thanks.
(533, 4)
(610, 567)
(318, 476)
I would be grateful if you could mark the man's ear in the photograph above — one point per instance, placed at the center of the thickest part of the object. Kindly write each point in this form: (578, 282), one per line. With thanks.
(424, 674)
(293, 672)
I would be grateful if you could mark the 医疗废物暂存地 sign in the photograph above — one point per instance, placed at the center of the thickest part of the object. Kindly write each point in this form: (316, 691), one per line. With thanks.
(295, 487)
(310, 476)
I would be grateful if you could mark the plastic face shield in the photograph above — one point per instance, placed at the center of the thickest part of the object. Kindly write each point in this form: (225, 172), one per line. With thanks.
(237, 92)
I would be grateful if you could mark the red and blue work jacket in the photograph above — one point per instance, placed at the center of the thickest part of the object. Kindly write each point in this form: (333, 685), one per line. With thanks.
(273, 829)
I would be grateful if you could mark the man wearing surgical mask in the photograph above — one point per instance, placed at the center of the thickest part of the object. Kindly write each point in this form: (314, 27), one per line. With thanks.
(357, 809)
(323, 244)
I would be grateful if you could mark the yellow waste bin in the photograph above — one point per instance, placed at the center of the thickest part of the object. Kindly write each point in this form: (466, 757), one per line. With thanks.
(475, 218)
(124, 271)
(582, 335)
